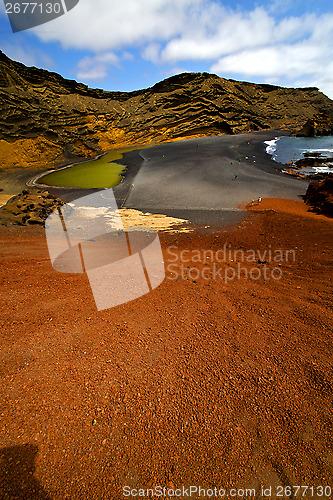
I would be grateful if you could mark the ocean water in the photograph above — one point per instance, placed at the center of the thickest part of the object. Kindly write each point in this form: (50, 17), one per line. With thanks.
(289, 149)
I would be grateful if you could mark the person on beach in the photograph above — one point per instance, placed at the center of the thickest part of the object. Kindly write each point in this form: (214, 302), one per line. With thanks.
(236, 175)
(259, 200)
(252, 203)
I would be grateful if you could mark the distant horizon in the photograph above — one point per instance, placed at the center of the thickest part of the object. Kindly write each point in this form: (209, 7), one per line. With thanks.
(131, 46)
(164, 79)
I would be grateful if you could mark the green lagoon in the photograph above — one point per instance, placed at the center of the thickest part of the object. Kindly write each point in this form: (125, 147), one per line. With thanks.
(100, 173)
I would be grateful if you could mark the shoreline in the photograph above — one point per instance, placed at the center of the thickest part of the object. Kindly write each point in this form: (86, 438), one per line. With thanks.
(134, 161)
(302, 164)
(33, 182)
(196, 179)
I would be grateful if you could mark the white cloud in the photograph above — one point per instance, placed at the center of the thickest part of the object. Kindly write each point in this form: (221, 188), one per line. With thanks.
(18, 53)
(250, 43)
(235, 32)
(278, 61)
(323, 82)
(308, 61)
(152, 52)
(28, 56)
(101, 25)
(175, 71)
(127, 56)
(96, 67)
(279, 6)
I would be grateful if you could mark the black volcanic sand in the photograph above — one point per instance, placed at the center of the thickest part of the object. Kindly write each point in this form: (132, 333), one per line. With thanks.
(195, 179)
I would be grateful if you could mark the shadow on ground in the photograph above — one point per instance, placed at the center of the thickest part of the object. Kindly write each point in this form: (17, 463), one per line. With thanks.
(17, 481)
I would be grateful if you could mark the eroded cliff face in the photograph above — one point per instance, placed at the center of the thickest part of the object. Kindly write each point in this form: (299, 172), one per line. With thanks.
(46, 119)
(320, 124)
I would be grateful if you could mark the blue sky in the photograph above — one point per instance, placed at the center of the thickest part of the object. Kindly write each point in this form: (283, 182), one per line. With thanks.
(132, 44)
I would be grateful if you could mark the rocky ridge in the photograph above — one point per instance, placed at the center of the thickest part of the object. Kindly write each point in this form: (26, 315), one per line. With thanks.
(46, 119)
(30, 207)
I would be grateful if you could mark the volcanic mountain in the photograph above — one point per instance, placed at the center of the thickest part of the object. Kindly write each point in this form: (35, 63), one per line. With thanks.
(46, 119)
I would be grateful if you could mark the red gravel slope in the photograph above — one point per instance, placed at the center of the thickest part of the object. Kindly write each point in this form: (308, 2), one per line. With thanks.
(197, 383)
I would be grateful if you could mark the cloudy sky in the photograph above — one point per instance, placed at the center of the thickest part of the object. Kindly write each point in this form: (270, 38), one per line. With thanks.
(132, 44)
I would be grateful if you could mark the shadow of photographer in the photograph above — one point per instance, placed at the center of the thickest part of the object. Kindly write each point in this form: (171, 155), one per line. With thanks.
(17, 468)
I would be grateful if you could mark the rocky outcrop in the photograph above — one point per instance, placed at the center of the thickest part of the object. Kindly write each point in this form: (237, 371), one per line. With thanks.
(320, 124)
(46, 119)
(319, 195)
(313, 159)
(29, 207)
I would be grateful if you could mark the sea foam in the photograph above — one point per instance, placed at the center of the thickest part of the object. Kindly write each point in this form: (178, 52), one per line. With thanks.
(271, 146)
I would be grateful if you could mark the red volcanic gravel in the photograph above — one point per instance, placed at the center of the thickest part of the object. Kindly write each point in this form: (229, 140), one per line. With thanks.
(200, 382)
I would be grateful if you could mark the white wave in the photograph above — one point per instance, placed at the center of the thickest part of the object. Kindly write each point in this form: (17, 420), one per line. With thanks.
(312, 150)
(271, 146)
(317, 170)
(323, 170)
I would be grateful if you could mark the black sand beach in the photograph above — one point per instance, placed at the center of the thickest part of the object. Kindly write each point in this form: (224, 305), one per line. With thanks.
(206, 180)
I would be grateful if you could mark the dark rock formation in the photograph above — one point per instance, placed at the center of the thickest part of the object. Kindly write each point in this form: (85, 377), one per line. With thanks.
(319, 195)
(320, 124)
(46, 119)
(314, 160)
(29, 207)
